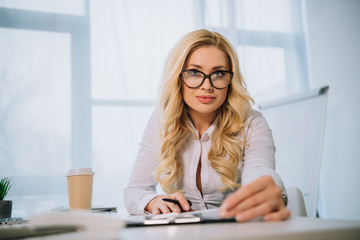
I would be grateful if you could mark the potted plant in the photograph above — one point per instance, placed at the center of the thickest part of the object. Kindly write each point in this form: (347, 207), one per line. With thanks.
(5, 205)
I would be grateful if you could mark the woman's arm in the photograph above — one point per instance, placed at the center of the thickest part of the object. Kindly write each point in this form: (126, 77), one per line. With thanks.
(261, 194)
(142, 185)
(259, 155)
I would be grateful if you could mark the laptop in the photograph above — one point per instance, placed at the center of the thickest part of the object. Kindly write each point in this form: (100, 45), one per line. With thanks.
(15, 228)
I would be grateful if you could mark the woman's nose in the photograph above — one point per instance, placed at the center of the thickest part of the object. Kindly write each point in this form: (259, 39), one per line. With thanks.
(207, 84)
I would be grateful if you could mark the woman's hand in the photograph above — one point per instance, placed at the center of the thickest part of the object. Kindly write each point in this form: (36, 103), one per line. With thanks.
(259, 198)
(157, 205)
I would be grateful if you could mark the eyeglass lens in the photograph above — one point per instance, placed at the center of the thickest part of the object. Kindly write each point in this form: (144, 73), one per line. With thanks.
(194, 78)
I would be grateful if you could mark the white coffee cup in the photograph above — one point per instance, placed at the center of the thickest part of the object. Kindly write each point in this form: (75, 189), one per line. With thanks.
(80, 184)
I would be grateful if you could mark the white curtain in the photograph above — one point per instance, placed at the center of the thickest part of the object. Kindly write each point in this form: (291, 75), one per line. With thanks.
(79, 79)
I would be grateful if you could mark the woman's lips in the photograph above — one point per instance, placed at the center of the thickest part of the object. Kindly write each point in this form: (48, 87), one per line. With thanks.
(205, 98)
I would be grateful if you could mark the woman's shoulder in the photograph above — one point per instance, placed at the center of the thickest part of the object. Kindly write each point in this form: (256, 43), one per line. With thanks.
(256, 119)
(151, 132)
(155, 116)
(255, 115)
(153, 121)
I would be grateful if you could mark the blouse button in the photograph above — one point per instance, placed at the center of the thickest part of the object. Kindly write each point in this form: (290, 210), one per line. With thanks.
(205, 137)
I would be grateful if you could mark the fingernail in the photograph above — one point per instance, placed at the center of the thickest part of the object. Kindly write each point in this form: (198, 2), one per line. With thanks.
(175, 210)
(266, 218)
(224, 206)
(240, 217)
(187, 207)
(222, 213)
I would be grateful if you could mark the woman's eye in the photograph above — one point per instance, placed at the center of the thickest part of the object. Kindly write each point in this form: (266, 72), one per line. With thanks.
(193, 73)
(218, 74)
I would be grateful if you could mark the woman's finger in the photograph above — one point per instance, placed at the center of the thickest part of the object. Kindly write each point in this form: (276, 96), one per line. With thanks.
(246, 191)
(182, 200)
(281, 214)
(164, 209)
(251, 202)
(152, 205)
(173, 207)
(156, 211)
(257, 211)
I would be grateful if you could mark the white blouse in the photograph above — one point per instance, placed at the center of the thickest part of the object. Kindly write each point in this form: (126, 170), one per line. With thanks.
(259, 160)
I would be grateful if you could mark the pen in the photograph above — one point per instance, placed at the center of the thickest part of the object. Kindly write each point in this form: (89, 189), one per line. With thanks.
(175, 201)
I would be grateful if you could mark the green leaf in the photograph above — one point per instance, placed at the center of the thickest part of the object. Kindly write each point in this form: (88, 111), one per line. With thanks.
(5, 185)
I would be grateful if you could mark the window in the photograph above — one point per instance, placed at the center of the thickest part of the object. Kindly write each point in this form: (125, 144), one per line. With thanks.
(269, 39)
(45, 102)
(78, 83)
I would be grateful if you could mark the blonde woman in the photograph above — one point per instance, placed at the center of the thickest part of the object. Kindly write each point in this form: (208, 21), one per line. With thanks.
(204, 143)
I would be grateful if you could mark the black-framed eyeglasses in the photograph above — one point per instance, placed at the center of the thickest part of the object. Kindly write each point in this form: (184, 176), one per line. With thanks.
(194, 78)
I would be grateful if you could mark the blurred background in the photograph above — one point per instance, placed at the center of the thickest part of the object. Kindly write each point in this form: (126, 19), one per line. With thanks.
(80, 78)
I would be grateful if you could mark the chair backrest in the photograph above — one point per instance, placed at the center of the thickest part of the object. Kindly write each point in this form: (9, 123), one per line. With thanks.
(296, 203)
(297, 124)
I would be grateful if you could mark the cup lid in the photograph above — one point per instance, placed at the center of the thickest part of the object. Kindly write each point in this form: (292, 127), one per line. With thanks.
(80, 171)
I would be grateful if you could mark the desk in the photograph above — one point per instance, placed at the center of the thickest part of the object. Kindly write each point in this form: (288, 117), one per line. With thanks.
(294, 228)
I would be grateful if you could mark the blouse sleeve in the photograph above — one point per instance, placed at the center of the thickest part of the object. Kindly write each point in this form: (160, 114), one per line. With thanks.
(142, 184)
(259, 155)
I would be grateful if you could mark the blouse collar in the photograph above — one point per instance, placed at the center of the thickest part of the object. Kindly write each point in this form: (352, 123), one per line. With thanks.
(208, 133)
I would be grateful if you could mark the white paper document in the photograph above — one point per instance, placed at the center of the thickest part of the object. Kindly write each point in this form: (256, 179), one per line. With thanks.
(201, 216)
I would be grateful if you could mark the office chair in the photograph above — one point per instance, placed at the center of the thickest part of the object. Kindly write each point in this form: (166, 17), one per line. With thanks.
(296, 203)
(298, 124)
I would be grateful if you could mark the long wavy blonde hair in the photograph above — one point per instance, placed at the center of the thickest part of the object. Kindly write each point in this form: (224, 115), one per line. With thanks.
(226, 150)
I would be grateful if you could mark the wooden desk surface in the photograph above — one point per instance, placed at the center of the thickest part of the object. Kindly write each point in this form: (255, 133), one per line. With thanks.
(294, 228)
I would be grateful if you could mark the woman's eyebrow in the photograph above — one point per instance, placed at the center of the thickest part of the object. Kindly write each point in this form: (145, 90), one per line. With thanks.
(198, 66)
(193, 65)
(218, 67)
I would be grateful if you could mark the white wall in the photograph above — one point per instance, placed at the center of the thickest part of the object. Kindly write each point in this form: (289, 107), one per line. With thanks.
(334, 59)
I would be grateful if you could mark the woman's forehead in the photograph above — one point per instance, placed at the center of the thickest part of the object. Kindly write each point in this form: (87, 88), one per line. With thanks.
(206, 56)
